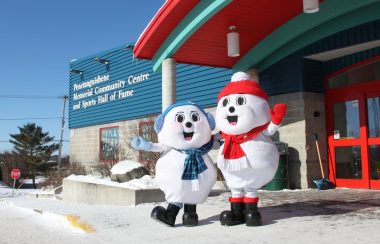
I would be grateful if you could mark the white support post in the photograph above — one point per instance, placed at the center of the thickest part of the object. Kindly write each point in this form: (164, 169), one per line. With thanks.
(168, 83)
(254, 74)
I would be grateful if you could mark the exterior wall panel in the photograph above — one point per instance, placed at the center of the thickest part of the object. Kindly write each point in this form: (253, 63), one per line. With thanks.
(194, 83)
(146, 98)
(283, 77)
(201, 84)
(340, 63)
(356, 35)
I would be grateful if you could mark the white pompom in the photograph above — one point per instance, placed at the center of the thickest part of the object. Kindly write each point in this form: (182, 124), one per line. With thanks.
(239, 76)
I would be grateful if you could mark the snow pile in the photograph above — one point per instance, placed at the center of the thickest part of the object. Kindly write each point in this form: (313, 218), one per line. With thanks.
(125, 166)
(42, 218)
(145, 182)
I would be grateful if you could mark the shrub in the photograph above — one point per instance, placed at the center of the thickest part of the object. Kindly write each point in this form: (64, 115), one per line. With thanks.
(54, 178)
(102, 169)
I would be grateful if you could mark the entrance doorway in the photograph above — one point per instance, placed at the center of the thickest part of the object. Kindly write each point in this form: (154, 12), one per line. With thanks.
(353, 125)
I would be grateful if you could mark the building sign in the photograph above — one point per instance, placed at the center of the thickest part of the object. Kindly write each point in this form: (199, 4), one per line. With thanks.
(109, 144)
(101, 89)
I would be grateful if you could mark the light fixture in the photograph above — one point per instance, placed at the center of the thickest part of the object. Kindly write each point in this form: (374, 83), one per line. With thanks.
(102, 61)
(129, 46)
(310, 6)
(233, 48)
(76, 71)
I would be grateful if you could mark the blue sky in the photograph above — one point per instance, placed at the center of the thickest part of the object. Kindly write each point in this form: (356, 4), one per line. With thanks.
(37, 41)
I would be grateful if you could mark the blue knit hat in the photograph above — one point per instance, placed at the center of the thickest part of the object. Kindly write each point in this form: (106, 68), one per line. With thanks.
(159, 122)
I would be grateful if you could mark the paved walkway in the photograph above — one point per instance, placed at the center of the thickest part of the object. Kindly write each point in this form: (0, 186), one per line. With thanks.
(309, 216)
(328, 203)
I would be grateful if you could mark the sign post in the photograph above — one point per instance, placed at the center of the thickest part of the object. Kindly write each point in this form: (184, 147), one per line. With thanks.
(15, 174)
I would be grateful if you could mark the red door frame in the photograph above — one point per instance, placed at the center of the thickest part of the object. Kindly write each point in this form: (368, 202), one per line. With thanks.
(374, 184)
(360, 92)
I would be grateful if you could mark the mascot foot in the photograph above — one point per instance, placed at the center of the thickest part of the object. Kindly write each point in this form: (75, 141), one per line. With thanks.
(165, 216)
(190, 216)
(233, 217)
(252, 216)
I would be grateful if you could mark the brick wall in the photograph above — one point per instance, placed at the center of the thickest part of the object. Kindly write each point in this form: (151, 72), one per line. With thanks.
(84, 142)
(305, 116)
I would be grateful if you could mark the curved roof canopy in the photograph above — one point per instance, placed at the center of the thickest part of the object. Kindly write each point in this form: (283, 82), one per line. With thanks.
(195, 32)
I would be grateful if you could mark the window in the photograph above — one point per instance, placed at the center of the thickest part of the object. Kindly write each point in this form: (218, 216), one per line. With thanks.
(373, 106)
(109, 144)
(147, 132)
(346, 120)
(361, 74)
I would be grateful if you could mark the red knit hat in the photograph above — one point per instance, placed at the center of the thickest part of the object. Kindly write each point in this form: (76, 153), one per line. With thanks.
(242, 84)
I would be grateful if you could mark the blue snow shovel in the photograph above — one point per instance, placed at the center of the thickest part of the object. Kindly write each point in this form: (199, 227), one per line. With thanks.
(323, 184)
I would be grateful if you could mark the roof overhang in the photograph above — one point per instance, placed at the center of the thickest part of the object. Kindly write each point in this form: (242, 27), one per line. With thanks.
(194, 32)
(340, 52)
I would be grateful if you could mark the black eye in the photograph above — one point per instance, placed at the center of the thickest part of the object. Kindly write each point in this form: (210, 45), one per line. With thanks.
(195, 117)
(179, 118)
(240, 100)
(225, 102)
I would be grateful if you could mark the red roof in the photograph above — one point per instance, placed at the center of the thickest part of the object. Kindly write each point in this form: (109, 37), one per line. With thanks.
(254, 20)
(160, 27)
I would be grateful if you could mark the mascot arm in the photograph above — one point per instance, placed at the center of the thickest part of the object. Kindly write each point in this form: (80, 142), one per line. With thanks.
(271, 129)
(277, 114)
(157, 147)
(140, 143)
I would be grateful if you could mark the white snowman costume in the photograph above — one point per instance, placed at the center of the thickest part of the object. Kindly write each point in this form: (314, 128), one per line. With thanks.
(184, 128)
(248, 159)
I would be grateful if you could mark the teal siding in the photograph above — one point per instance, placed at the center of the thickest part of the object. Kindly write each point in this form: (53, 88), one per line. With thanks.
(295, 73)
(356, 35)
(146, 97)
(201, 84)
(343, 62)
(283, 77)
(194, 83)
(314, 72)
(312, 76)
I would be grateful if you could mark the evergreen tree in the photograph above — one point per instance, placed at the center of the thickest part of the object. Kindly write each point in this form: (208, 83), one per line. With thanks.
(34, 146)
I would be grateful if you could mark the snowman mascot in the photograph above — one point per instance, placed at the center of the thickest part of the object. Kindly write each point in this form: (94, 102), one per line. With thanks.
(184, 172)
(248, 158)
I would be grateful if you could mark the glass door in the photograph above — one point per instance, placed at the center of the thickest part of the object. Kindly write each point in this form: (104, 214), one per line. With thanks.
(373, 118)
(353, 126)
(346, 140)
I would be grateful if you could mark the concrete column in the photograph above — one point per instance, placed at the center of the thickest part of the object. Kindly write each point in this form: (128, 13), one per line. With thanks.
(168, 83)
(254, 74)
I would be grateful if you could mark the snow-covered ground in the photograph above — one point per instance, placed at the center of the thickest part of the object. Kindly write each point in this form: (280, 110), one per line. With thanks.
(307, 216)
(145, 182)
(6, 191)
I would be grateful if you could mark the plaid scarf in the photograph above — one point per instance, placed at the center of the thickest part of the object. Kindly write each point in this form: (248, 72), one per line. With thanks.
(194, 164)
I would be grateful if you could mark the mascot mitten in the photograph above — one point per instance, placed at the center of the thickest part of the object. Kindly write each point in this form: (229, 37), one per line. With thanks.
(248, 158)
(184, 172)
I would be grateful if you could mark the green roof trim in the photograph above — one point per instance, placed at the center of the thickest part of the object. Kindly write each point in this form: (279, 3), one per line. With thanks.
(304, 29)
(191, 23)
(361, 16)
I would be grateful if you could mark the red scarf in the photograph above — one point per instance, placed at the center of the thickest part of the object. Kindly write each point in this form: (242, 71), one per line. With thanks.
(232, 148)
